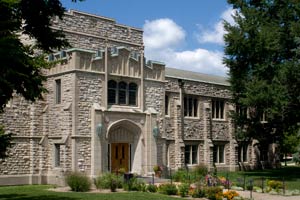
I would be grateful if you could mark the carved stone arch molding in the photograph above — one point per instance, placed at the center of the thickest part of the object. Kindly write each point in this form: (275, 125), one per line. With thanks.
(123, 130)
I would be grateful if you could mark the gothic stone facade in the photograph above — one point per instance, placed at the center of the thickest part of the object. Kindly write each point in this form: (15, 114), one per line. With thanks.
(106, 109)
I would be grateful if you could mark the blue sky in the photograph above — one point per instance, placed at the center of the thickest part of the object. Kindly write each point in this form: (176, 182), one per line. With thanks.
(182, 34)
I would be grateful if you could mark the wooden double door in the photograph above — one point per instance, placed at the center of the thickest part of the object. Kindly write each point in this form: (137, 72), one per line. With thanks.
(119, 156)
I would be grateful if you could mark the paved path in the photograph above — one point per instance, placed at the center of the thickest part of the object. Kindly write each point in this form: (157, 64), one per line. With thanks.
(266, 196)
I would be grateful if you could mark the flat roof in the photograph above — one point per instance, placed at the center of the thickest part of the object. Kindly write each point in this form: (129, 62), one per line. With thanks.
(196, 76)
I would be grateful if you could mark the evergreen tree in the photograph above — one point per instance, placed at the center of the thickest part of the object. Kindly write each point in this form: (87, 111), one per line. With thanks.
(262, 53)
(22, 64)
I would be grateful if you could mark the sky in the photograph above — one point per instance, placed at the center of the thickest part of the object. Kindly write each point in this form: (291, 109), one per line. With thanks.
(183, 34)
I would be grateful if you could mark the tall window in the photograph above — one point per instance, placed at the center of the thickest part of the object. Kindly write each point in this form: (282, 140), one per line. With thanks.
(132, 93)
(112, 92)
(263, 117)
(243, 153)
(190, 106)
(166, 105)
(191, 152)
(122, 93)
(58, 91)
(217, 109)
(218, 154)
(241, 111)
(57, 155)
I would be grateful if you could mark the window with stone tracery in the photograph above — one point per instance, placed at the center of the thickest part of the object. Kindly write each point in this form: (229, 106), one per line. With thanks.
(217, 109)
(57, 155)
(219, 154)
(191, 152)
(190, 106)
(121, 93)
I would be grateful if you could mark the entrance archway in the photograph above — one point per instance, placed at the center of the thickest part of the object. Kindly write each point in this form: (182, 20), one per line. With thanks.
(125, 148)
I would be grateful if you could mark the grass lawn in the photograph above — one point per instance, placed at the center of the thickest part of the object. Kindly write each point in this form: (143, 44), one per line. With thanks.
(41, 192)
(291, 175)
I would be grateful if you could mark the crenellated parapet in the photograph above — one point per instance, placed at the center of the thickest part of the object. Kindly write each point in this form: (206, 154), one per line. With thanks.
(120, 61)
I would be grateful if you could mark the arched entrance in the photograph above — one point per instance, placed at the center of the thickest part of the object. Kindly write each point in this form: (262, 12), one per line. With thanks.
(125, 148)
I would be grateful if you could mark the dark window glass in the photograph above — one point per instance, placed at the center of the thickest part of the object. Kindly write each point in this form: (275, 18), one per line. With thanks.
(215, 154)
(58, 91)
(217, 109)
(194, 154)
(191, 154)
(166, 105)
(221, 154)
(190, 106)
(187, 154)
(57, 155)
(122, 93)
(132, 93)
(112, 92)
(195, 107)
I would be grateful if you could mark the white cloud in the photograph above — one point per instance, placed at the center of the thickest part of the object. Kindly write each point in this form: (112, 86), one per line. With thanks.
(198, 60)
(161, 39)
(215, 35)
(162, 33)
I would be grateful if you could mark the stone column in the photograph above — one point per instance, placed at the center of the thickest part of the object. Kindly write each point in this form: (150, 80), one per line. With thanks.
(207, 135)
(97, 134)
(179, 129)
(150, 154)
(232, 142)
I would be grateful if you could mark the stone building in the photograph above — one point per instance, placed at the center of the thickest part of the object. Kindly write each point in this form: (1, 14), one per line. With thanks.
(107, 108)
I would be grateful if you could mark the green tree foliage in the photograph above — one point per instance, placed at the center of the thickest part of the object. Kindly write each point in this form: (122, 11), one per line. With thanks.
(4, 142)
(262, 53)
(22, 64)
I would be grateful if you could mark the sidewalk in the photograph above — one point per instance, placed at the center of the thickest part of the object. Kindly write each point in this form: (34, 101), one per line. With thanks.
(266, 196)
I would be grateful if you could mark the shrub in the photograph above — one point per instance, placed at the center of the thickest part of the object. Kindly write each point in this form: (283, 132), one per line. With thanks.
(151, 188)
(275, 185)
(198, 193)
(134, 184)
(231, 194)
(183, 189)
(108, 181)
(214, 193)
(121, 171)
(78, 182)
(180, 175)
(168, 189)
(200, 170)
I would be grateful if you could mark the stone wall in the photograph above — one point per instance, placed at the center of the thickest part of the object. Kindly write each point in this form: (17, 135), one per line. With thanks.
(90, 31)
(89, 90)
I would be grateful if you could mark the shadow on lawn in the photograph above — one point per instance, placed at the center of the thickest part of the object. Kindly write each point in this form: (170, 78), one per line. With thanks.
(289, 173)
(28, 197)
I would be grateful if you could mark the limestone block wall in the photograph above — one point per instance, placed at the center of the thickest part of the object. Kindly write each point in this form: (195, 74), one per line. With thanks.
(21, 118)
(83, 152)
(198, 88)
(60, 115)
(90, 31)
(89, 90)
(220, 130)
(194, 129)
(25, 121)
(18, 160)
(154, 98)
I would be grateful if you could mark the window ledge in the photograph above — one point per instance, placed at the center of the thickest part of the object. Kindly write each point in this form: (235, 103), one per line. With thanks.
(192, 165)
(188, 117)
(219, 120)
(117, 108)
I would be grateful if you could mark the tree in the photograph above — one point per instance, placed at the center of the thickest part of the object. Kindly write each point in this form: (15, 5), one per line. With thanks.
(262, 54)
(22, 64)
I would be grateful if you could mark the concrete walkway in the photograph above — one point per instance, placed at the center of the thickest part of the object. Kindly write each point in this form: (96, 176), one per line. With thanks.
(266, 196)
